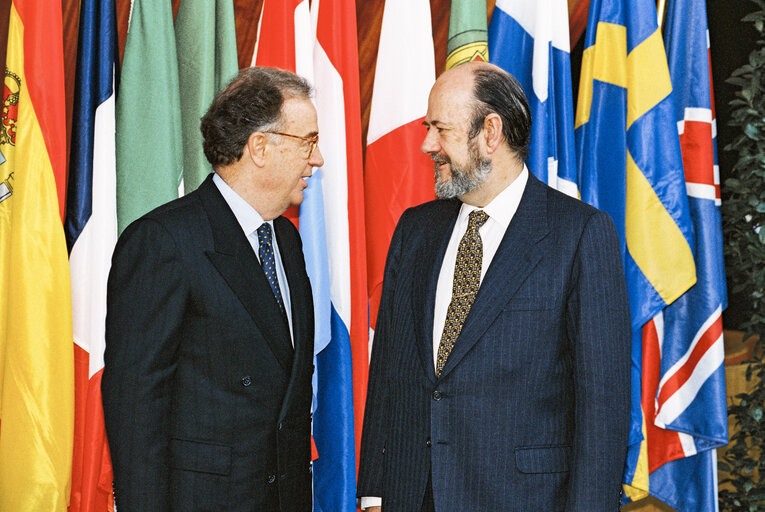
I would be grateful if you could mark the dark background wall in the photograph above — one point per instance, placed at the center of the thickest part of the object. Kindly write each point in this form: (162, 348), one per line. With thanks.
(731, 40)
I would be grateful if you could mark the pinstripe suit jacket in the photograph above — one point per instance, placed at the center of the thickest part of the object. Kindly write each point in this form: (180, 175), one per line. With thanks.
(207, 407)
(531, 411)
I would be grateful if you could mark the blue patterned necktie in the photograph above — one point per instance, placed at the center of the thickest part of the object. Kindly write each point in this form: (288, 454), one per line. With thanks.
(467, 279)
(266, 253)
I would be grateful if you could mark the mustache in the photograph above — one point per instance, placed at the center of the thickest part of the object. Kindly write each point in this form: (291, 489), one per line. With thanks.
(440, 159)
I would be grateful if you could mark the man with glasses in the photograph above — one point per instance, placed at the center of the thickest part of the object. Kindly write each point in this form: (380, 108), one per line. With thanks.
(209, 328)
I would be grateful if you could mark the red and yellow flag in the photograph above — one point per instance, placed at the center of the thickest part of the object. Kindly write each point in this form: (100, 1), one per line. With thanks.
(36, 355)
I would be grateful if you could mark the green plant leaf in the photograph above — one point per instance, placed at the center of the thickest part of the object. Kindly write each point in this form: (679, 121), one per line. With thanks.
(754, 16)
(743, 215)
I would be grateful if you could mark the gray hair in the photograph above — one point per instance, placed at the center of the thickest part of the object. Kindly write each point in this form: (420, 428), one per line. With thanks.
(251, 102)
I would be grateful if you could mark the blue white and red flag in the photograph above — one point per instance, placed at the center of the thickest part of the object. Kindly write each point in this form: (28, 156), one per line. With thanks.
(91, 233)
(320, 45)
(686, 398)
(332, 229)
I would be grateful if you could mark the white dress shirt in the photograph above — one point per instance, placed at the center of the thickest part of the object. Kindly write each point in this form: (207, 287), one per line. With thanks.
(501, 211)
(250, 220)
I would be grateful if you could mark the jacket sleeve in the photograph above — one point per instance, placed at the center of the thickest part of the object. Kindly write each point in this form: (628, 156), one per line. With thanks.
(146, 295)
(374, 429)
(598, 326)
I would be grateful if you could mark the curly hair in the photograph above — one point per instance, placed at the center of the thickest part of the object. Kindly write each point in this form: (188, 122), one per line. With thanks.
(251, 102)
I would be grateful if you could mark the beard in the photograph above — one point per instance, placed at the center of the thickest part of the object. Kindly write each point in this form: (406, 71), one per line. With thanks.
(462, 179)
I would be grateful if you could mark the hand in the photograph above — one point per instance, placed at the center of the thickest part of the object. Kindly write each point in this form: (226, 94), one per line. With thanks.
(373, 509)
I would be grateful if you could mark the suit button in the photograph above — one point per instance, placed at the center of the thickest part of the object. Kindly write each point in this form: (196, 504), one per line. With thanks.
(246, 381)
(281, 426)
(428, 443)
(271, 479)
(437, 395)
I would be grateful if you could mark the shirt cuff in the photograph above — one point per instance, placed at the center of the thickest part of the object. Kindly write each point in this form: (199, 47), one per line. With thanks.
(369, 501)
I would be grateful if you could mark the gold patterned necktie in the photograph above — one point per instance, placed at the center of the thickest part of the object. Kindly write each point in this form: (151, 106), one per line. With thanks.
(467, 279)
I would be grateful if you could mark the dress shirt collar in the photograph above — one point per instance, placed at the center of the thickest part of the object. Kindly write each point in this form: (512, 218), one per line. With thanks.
(249, 219)
(502, 208)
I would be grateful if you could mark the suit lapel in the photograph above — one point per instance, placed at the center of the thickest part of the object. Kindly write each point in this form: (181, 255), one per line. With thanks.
(234, 258)
(301, 305)
(299, 286)
(428, 261)
(517, 256)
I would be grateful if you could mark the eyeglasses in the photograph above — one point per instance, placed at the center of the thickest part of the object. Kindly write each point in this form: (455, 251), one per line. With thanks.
(312, 141)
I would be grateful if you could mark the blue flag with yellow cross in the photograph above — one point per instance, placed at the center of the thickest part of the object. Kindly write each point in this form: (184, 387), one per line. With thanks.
(630, 165)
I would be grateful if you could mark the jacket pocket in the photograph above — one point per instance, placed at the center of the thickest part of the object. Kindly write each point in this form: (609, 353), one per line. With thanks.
(200, 456)
(542, 459)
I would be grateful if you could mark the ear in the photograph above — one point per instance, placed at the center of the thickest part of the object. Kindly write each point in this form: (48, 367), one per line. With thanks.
(492, 125)
(257, 147)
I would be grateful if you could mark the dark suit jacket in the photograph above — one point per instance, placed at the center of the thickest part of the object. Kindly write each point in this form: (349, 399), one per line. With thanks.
(531, 410)
(207, 405)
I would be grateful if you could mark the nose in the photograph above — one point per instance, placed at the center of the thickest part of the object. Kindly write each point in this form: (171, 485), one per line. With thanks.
(430, 143)
(316, 159)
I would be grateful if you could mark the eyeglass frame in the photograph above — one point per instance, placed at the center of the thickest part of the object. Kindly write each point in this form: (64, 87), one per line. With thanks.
(313, 141)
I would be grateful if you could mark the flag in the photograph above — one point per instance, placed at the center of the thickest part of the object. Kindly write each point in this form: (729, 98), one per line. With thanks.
(397, 174)
(630, 165)
(687, 418)
(530, 40)
(91, 233)
(286, 40)
(332, 229)
(148, 113)
(330, 226)
(36, 361)
(467, 40)
(205, 39)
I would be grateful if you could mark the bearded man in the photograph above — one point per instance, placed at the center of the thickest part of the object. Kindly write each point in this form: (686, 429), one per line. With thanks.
(499, 377)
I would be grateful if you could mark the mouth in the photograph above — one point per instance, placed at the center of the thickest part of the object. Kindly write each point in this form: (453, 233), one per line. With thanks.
(441, 167)
(440, 161)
